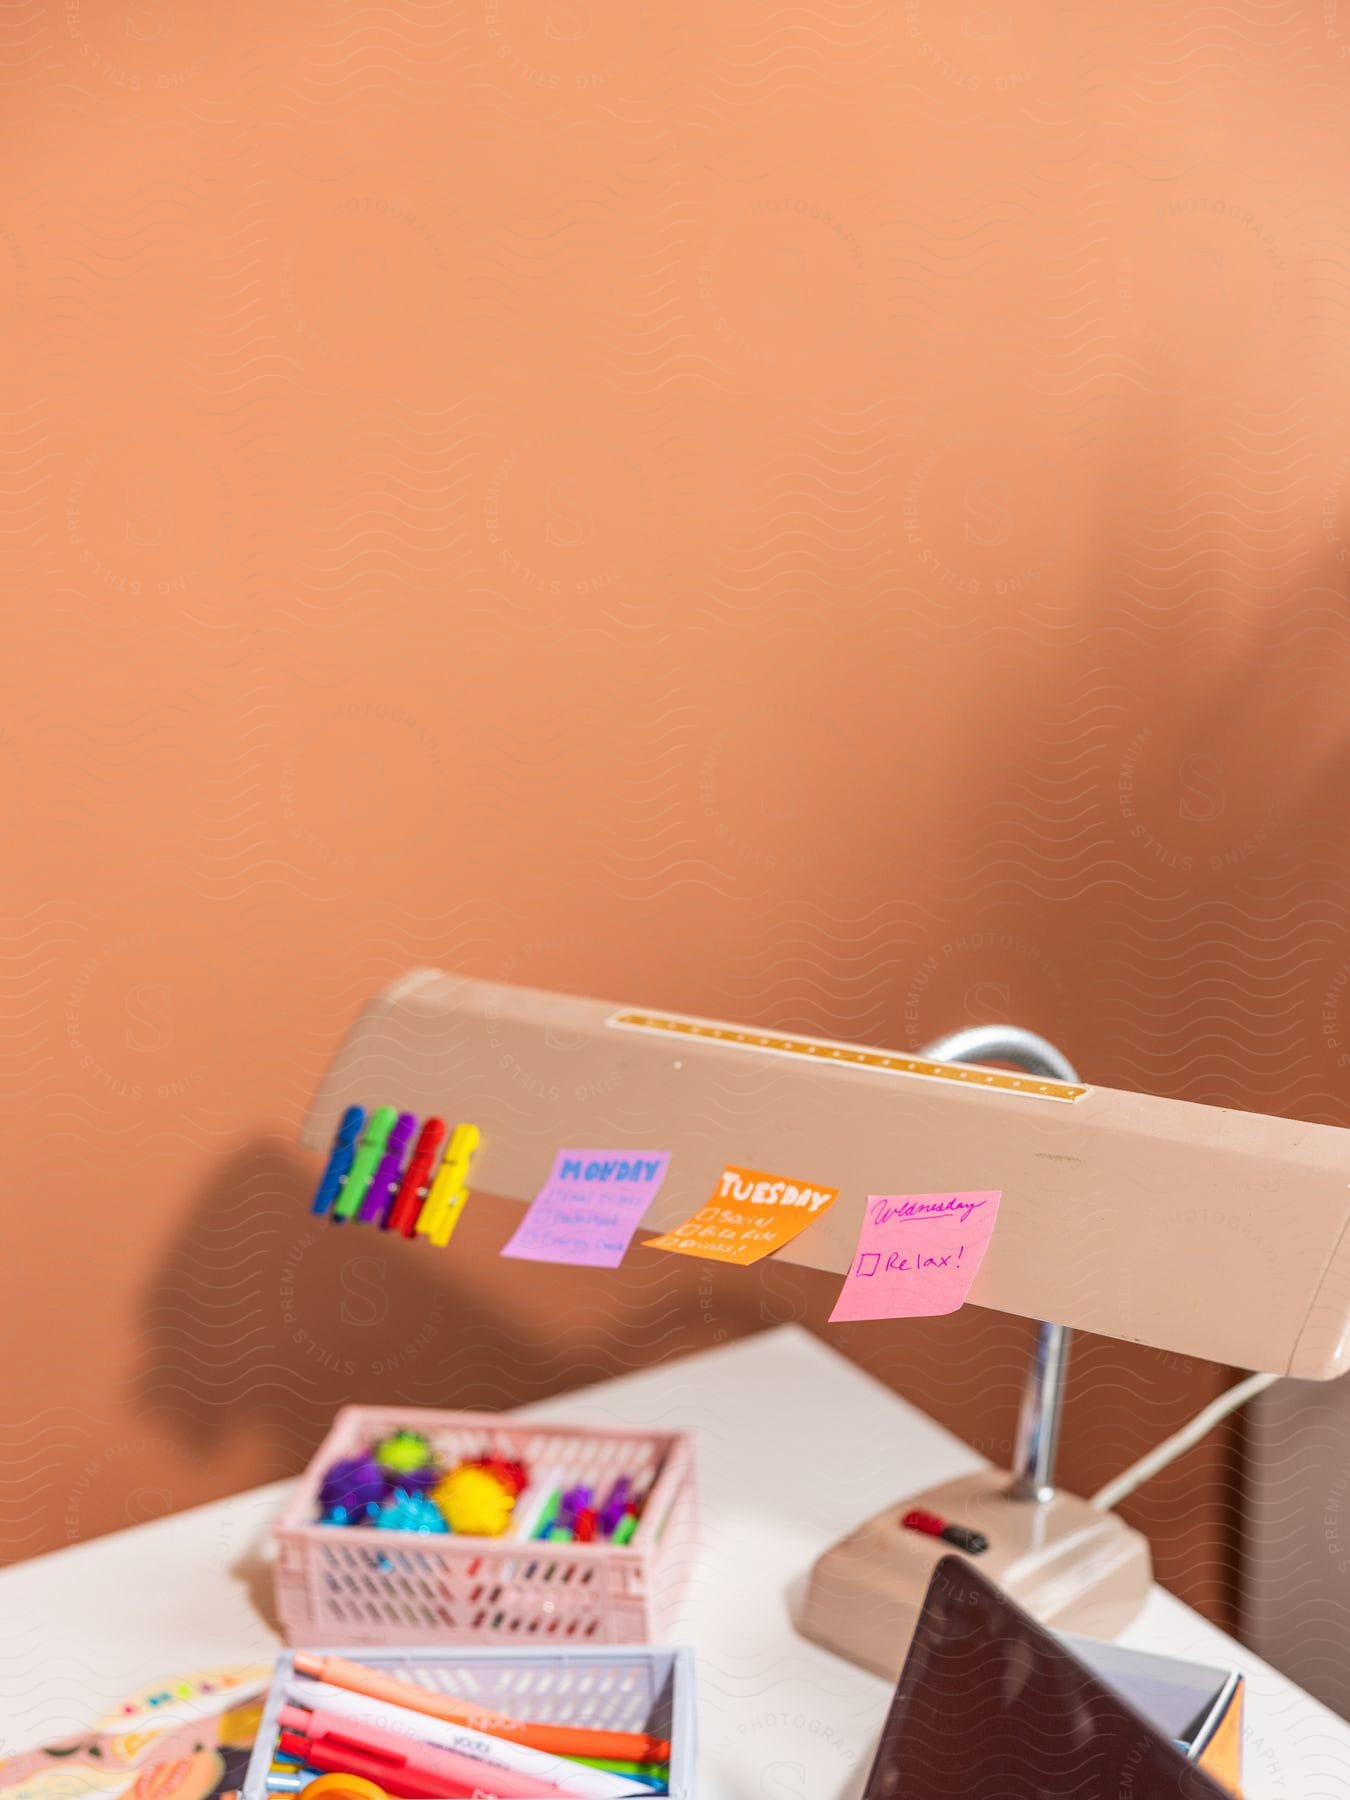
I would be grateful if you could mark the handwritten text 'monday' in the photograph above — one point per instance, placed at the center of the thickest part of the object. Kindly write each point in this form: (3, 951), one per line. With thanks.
(637, 1170)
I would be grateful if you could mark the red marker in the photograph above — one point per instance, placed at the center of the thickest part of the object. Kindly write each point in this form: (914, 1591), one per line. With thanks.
(403, 1214)
(401, 1765)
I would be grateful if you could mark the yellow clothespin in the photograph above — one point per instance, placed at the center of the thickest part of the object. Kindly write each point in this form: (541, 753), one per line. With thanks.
(448, 1192)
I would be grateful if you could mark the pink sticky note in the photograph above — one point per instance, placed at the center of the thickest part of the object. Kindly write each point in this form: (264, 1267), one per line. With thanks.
(589, 1208)
(917, 1254)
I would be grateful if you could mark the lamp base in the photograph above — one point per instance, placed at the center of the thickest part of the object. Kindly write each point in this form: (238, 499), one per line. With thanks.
(1068, 1565)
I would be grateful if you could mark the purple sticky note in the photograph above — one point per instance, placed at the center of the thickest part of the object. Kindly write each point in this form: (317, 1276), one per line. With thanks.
(917, 1254)
(590, 1206)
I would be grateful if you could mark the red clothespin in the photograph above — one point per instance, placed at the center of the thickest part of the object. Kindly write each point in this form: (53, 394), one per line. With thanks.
(402, 1215)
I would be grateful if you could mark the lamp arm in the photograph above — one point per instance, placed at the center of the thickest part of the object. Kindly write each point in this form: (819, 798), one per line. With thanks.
(1028, 1050)
(1043, 1394)
(1038, 1419)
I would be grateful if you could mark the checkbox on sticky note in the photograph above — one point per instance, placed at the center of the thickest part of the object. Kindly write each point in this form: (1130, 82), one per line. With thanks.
(869, 1262)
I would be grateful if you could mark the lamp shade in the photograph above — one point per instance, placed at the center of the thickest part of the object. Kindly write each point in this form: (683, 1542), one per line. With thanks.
(1196, 1229)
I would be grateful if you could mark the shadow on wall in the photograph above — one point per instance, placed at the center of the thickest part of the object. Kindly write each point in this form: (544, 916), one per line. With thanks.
(265, 1319)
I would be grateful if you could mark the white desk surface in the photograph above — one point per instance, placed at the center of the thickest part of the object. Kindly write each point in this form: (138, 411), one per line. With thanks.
(795, 1444)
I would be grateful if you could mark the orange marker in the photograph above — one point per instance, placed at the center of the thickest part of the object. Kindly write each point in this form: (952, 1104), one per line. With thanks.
(553, 1740)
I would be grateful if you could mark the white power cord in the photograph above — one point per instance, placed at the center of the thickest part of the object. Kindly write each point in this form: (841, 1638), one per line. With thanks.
(1172, 1447)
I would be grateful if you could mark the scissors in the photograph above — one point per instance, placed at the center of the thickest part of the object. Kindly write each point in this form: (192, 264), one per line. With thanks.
(342, 1787)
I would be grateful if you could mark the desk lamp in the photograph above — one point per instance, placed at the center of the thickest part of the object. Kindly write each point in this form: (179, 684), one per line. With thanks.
(1194, 1229)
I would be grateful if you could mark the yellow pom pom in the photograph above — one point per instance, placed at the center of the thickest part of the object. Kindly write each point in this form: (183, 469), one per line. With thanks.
(474, 1502)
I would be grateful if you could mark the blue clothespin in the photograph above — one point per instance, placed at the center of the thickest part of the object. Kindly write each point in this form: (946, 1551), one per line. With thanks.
(339, 1159)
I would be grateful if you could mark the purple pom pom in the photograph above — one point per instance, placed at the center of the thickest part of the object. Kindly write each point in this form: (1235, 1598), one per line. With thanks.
(352, 1484)
(419, 1481)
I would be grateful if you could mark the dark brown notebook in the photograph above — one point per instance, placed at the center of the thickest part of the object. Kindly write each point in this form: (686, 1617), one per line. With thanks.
(991, 1706)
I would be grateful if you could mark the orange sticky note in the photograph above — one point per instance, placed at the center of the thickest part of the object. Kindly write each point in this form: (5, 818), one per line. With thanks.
(750, 1215)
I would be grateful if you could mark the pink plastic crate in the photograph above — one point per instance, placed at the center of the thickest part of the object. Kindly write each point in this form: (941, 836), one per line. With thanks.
(359, 1585)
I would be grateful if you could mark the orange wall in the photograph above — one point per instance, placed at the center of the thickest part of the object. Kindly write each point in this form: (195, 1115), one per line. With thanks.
(833, 515)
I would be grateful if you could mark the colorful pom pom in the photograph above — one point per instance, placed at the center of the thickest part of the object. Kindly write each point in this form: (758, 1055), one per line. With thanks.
(358, 1515)
(474, 1501)
(512, 1475)
(401, 1484)
(351, 1485)
(419, 1481)
(408, 1511)
(403, 1452)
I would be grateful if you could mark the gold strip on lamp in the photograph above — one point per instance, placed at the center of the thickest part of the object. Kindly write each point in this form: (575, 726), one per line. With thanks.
(851, 1055)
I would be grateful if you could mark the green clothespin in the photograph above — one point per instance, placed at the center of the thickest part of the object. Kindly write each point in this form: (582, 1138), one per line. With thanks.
(367, 1159)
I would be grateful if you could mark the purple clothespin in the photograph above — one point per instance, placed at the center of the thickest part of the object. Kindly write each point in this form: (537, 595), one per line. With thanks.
(574, 1502)
(613, 1509)
(384, 1182)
